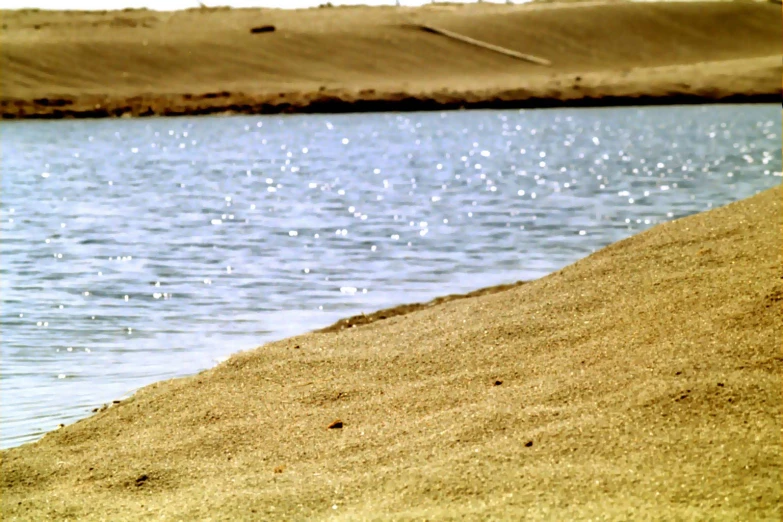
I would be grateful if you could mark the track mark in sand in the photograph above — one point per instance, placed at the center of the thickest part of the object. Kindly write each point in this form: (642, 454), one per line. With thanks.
(484, 45)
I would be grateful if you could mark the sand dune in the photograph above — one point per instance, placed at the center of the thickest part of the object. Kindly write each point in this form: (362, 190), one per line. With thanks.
(360, 58)
(642, 382)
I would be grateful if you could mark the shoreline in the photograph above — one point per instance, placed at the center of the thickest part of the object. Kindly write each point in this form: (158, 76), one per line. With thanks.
(59, 64)
(57, 109)
(520, 398)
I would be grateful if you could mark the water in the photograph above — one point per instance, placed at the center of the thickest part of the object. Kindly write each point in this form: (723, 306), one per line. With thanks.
(139, 250)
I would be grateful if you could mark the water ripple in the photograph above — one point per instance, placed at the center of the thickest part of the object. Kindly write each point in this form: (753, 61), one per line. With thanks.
(137, 250)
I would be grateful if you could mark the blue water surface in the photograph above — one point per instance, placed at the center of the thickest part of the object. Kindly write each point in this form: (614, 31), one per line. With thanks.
(139, 250)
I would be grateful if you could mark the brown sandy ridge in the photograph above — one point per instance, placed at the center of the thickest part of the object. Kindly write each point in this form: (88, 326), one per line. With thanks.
(57, 64)
(380, 315)
(642, 382)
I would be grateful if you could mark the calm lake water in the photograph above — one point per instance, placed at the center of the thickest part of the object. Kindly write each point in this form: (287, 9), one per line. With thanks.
(139, 250)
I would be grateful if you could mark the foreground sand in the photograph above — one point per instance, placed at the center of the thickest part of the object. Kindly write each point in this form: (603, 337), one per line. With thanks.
(643, 382)
(202, 61)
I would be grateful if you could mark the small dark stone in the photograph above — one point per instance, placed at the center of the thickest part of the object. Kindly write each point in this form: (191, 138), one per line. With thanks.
(528, 443)
(262, 29)
(678, 373)
(498, 383)
(115, 402)
(296, 347)
(142, 479)
(720, 384)
(336, 425)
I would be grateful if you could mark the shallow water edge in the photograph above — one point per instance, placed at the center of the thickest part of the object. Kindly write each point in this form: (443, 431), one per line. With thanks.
(226, 103)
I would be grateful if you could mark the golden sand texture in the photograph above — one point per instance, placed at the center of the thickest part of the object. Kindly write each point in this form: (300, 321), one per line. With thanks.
(642, 382)
(80, 64)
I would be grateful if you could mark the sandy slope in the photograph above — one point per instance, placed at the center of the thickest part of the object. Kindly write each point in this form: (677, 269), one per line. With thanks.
(642, 382)
(360, 58)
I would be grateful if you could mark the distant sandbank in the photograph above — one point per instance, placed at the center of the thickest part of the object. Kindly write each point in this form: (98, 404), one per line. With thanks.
(60, 64)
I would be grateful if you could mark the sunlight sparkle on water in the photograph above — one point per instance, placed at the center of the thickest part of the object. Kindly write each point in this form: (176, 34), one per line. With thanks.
(247, 221)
